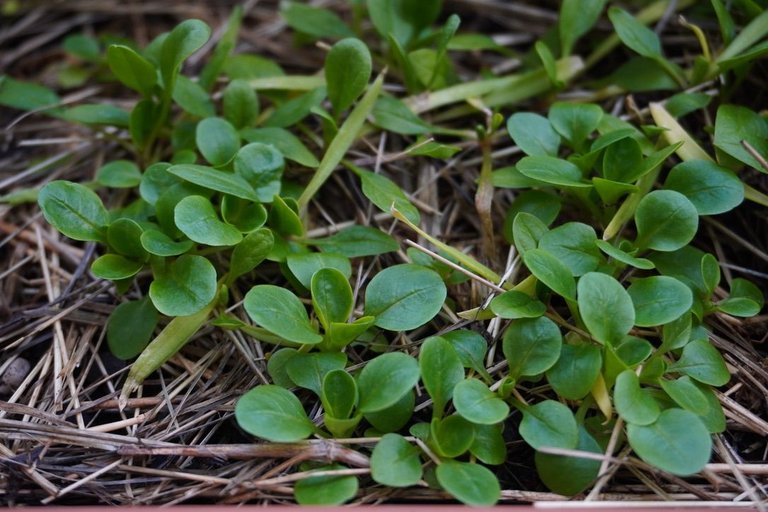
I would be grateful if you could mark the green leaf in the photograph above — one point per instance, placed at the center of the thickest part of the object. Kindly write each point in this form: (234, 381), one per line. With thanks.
(527, 230)
(75, 210)
(489, 445)
(478, 404)
(533, 134)
(326, 490)
(575, 122)
(315, 21)
(184, 287)
(124, 237)
(277, 367)
(623, 257)
(115, 267)
(621, 159)
(347, 71)
(634, 34)
(250, 252)
(130, 327)
(395, 462)
(748, 36)
(666, 221)
(686, 393)
(404, 297)
(273, 413)
(244, 215)
(158, 243)
(357, 241)
(677, 442)
(240, 104)
(284, 217)
(284, 141)
(385, 379)
(659, 300)
(513, 305)
(541, 205)
(184, 40)
(213, 179)
(227, 42)
(309, 370)
(394, 417)
(575, 20)
(633, 403)
(550, 271)
(385, 194)
(340, 334)
(472, 484)
(156, 180)
(735, 124)
(145, 116)
(296, 109)
(745, 300)
(26, 95)
(701, 361)
(217, 140)
(192, 98)
(576, 371)
(196, 218)
(573, 244)
(132, 69)
(119, 174)
(549, 424)
(553, 171)
(710, 273)
(599, 293)
(339, 393)
(331, 296)
(570, 475)
(714, 418)
(391, 114)
(280, 312)
(441, 370)
(451, 436)
(304, 265)
(470, 347)
(97, 115)
(261, 165)
(532, 346)
(712, 189)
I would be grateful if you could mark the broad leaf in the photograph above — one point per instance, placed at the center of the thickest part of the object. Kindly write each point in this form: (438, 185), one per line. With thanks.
(261, 165)
(196, 218)
(213, 179)
(549, 424)
(309, 370)
(472, 484)
(735, 124)
(217, 140)
(701, 361)
(280, 312)
(357, 241)
(441, 371)
(478, 404)
(132, 69)
(712, 189)
(75, 210)
(339, 393)
(677, 442)
(551, 271)
(130, 327)
(633, 403)
(184, 287)
(115, 267)
(514, 305)
(659, 300)
(240, 104)
(284, 141)
(533, 134)
(532, 346)
(666, 221)
(395, 462)
(385, 379)
(553, 171)
(326, 490)
(347, 71)
(331, 296)
(570, 475)
(573, 244)
(385, 194)
(599, 293)
(404, 297)
(576, 371)
(273, 413)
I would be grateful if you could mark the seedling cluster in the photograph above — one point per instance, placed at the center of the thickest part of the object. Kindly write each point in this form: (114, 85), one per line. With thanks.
(605, 341)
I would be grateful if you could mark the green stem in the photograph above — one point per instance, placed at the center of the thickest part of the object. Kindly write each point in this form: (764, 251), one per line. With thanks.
(170, 340)
(341, 142)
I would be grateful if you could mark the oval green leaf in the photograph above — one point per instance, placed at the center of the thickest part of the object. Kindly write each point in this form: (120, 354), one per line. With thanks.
(532, 346)
(395, 462)
(217, 140)
(280, 312)
(185, 287)
(75, 210)
(404, 297)
(659, 300)
(598, 294)
(196, 218)
(549, 424)
(385, 379)
(273, 413)
(441, 371)
(472, 484)
(347, 71)
(633, 403)
(666, 221)
(478, 404)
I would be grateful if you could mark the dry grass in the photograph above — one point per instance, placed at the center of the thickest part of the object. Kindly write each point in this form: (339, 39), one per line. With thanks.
(62, 437)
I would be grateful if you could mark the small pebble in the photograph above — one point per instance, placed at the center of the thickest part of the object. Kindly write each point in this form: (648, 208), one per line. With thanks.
(14, 375)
